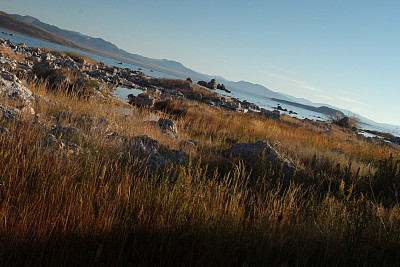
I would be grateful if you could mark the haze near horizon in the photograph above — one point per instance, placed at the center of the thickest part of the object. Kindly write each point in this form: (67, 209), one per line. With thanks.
(342, 53)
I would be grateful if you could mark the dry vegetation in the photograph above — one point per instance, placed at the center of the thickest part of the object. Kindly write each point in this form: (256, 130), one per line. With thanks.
(8, 53)
(102, 207)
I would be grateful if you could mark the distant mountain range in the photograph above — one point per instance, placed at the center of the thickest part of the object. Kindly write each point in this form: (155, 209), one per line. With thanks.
(107, 48)
(33, 27)
(11, 23)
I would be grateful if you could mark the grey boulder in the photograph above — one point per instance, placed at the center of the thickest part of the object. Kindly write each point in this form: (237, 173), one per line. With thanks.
(262, 152)
(12, 90)
(144, 100)
(8, 113)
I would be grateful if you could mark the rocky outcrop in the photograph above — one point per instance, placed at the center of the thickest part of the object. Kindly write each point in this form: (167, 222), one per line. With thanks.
(262, 153)
(210, 85)
(13, 91)
(344, 122)
(267, 114)
(61, 140)
(52, 143)
(223, 88)
(65, 133)
(44, 69)
(8, 113)
(273, 115)
(187, 86)
(61, 80)
(155, 158)
(144, 100)
(8, 76)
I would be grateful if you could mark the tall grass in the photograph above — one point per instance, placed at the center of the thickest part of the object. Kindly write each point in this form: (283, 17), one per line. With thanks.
(102, 207)
(7, 52)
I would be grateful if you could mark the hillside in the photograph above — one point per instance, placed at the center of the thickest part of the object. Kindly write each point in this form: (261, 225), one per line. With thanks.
(11, 23)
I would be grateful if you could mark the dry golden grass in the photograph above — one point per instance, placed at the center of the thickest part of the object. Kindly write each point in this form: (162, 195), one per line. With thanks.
(8, 53)
(101, 207)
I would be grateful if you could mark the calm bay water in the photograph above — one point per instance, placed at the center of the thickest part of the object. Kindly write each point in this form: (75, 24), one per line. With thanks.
(263, 102)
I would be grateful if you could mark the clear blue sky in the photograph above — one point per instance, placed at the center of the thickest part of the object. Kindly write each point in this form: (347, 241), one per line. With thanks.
(343, 53)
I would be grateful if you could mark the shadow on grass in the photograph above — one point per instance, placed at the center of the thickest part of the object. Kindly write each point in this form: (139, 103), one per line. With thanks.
(150, 247)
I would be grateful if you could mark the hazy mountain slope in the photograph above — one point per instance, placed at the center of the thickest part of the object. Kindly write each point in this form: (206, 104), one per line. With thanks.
(105, 47)
(11, 23)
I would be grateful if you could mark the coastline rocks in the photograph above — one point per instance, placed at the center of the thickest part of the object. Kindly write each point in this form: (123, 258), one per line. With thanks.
(223, 88)
(232, 105)
(262, 152)
(274, 115)
(210, 85)
(344, 122)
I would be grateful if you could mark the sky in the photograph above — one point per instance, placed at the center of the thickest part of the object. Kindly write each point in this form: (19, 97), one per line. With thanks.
(342, 53)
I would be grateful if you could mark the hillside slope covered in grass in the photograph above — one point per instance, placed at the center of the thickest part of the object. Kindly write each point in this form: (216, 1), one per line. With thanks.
(78, 184)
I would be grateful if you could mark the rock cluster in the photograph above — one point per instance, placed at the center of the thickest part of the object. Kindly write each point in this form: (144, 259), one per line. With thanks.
(264, 153)
(155, 158)
(273, 115)
(53, 64)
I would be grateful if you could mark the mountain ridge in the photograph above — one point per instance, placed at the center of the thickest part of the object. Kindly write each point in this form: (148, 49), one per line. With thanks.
(9, 22)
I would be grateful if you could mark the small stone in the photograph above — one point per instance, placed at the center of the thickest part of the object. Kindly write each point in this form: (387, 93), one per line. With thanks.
(168, 127)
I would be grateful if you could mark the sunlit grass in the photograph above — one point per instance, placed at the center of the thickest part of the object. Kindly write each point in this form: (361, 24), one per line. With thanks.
(102, 207)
